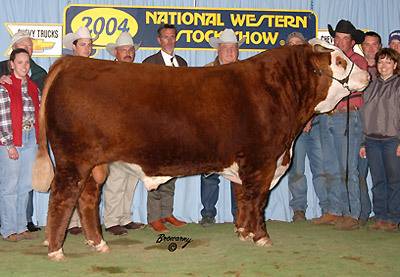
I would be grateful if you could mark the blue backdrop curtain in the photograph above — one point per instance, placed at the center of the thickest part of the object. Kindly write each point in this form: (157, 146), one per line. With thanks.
(381, 16)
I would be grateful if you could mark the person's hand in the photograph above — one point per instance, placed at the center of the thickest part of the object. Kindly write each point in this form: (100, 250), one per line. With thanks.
(307, 128)
(398, 151)
(363, 152)
(13, 153)
(5, 79)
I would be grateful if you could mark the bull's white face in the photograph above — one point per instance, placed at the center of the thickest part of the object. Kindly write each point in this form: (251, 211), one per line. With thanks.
(341, 67)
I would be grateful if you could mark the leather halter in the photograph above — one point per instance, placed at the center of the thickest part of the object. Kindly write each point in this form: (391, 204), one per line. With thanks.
(344, 82)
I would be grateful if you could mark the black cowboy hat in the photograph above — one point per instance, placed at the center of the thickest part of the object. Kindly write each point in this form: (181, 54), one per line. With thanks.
(345, 26)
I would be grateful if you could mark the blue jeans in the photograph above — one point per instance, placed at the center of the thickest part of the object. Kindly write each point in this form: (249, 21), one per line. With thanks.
(209, 188)
(364, 196)
(307, 144)
(15, 184)
(334, 148)
(385, 172)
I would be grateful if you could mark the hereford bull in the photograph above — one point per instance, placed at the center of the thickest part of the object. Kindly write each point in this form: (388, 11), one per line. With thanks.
(239, 120)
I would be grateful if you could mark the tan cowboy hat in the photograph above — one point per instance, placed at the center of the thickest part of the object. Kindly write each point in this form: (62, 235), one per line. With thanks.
(226, 36)
(124, 39)
(20, 35)
(82, 32)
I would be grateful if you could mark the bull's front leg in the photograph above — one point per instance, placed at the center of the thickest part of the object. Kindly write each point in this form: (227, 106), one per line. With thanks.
(250, 223)
(252, 196)
(65, 190)
(88, 209)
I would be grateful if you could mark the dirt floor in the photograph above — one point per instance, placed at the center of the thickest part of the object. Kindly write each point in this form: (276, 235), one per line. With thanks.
(300, 249)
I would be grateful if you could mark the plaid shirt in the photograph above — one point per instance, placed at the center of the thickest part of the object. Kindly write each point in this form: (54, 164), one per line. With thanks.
(6, 135)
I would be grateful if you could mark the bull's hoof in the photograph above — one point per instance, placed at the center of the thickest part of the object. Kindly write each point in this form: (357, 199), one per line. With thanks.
(45, 242)
(247, 237)
(56, 255)
(102, 247)
(238, 230)
(266, 242)
(243, 235)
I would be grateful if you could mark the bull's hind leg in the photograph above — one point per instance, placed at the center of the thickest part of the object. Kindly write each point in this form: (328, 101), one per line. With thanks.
(89, 213)
(65, 190)
(237, 192)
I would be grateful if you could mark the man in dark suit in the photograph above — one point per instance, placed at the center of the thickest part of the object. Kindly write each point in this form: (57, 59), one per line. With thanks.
(167, 39)
(160, 202)
(37, 74)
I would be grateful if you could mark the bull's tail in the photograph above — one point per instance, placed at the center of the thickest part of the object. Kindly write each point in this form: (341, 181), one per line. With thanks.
(43, 171)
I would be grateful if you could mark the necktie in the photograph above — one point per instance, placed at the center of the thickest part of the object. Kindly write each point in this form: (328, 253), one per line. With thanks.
(172, 61)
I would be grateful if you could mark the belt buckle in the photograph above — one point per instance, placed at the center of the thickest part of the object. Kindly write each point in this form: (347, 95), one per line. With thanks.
(27, 126)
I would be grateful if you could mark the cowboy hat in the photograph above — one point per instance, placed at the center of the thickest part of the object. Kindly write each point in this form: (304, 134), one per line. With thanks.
(82, 32)
(20, 35)
(124, 39)
(345, 26)
(226, 36)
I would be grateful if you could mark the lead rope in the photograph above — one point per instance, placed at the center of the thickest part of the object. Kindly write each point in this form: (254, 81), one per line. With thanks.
(347, 134)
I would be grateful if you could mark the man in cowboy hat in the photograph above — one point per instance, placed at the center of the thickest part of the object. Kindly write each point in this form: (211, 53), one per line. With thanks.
(123, 49)
(160, 202)
(120, 186)
(21, 39)
(227, 46)
(80, 42)
(344, 199)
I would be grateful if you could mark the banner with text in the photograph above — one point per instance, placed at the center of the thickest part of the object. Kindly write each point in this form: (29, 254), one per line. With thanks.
(263, 29)
(46, 37)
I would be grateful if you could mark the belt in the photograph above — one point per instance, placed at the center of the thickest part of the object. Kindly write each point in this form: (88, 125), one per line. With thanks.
(27, 126)
(344, 110)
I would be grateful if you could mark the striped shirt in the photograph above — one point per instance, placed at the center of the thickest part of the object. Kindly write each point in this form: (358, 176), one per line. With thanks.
(6, 134)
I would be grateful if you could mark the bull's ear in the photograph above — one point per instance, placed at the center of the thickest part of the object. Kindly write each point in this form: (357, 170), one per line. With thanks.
(319, 45)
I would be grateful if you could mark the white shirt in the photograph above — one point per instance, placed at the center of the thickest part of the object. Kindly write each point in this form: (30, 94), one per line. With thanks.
(167, 59)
